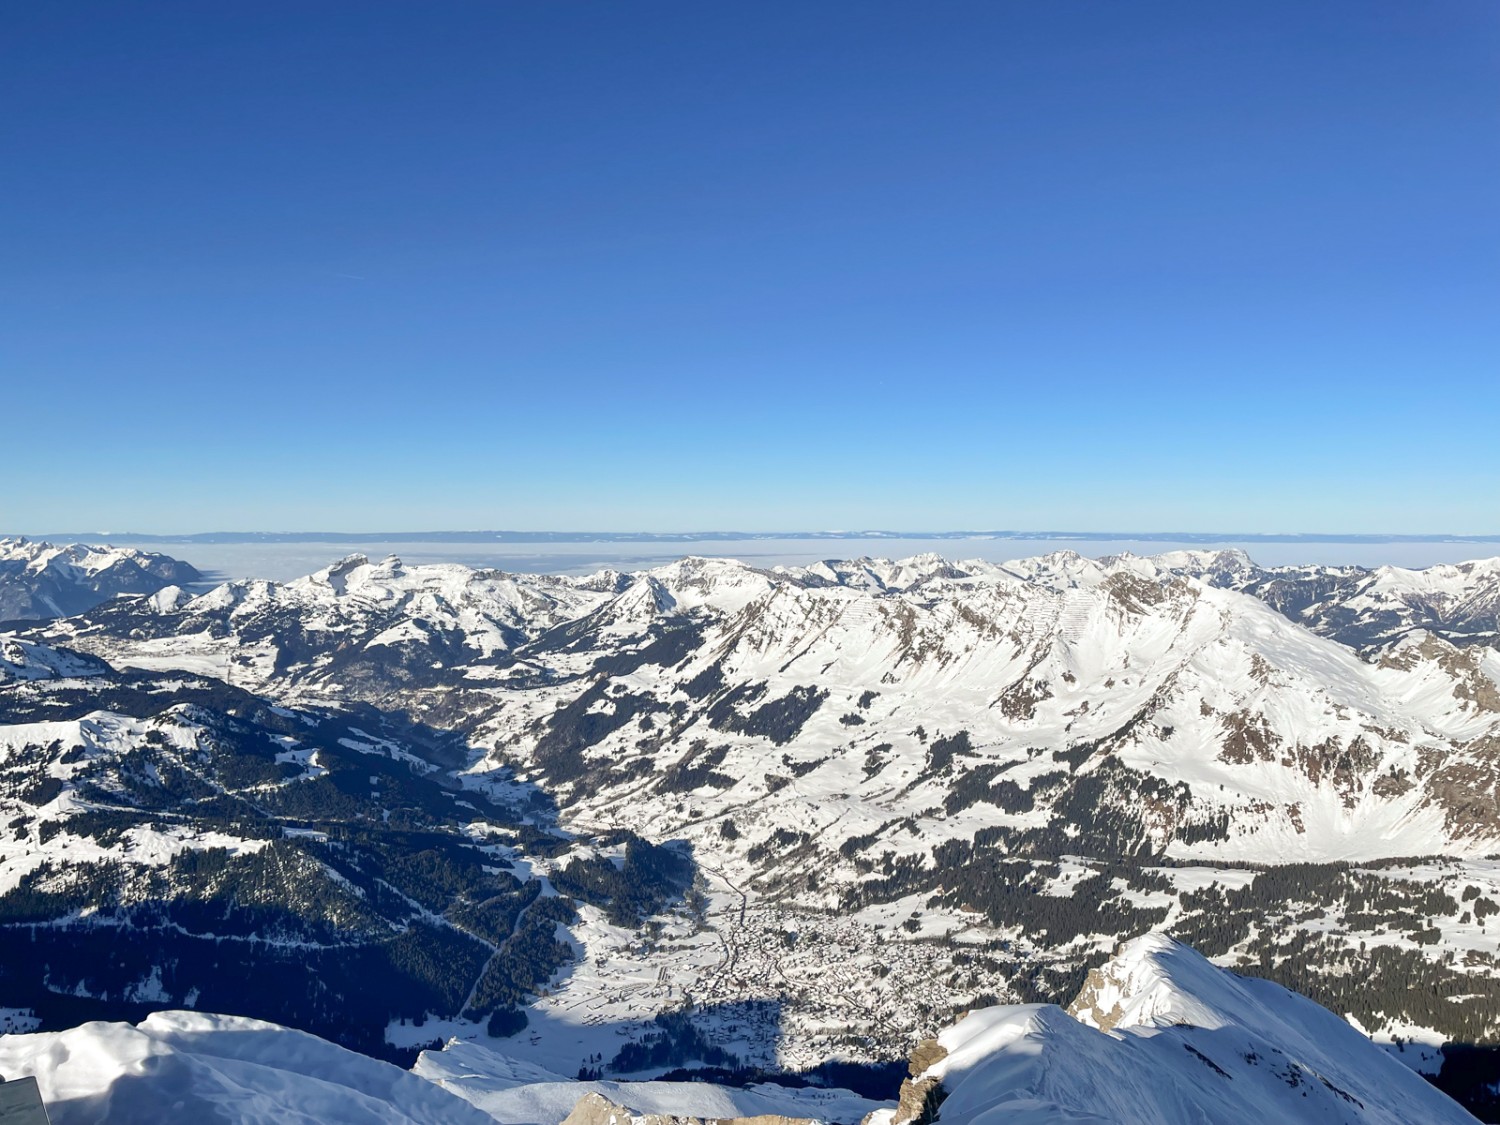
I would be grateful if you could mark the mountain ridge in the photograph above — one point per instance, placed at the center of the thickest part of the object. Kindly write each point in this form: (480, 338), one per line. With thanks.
(1158, 1035)
(40, 580)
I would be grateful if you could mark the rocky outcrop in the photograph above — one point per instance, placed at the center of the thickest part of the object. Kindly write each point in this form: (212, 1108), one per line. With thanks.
(925, 1054)
(921, 1093)
(596, 1109)
(1087, 1005)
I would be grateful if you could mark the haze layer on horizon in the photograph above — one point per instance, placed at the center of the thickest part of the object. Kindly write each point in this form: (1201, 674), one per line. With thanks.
(286, 559)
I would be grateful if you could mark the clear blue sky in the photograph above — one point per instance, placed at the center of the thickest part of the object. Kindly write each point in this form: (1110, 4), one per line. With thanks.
(760, 265)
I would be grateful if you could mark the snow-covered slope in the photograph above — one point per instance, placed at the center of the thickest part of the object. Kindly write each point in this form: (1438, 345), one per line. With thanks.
(1365, 608)
(26, 660)
(189, 1067)
(377, 631)
(510, 1090)
(1162, 1037)
(990, 699)
(40, 580)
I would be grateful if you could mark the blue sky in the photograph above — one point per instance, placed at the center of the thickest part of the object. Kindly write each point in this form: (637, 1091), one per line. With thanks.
(559, 265)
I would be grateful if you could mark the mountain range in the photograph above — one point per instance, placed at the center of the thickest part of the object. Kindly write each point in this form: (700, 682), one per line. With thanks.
(757, 818)
(38, 580)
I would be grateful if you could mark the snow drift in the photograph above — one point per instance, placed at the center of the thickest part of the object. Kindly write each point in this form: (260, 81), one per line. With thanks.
(191, 1067)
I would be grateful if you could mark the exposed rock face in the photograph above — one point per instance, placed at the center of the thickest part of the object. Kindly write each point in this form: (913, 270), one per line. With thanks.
(925, 1054)
(1086, 1005)
(919, 1101)
(921, 1094)
(595, 1109)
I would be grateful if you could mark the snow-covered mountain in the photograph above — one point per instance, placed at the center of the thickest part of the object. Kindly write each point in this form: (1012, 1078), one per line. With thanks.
(378, 632)
(39, 580)
(1159, 1036)
(780, 814)
(1001, 699)
(1317, 752)
(1364, 608)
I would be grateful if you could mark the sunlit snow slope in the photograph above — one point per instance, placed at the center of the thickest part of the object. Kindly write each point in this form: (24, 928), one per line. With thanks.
(1162, 1037)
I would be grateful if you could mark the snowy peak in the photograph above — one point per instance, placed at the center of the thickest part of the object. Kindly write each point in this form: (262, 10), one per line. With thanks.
(1153, 981)
(644, 601)
(714, 585)
(894, 576)
(1465, 597)
(1230, 561)
(373, 628)
(84, 559)
(1160, 1036)
(1364, 608)
(1060, 570)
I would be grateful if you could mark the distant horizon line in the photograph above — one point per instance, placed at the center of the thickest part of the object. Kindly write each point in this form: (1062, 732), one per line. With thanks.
(1194, 537)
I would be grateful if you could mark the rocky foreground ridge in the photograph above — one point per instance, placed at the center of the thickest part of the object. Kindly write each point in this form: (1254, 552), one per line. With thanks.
(1158, 1035)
